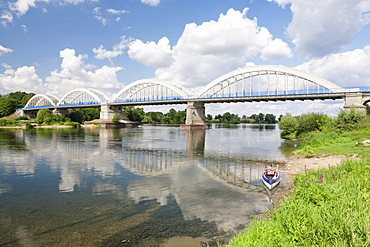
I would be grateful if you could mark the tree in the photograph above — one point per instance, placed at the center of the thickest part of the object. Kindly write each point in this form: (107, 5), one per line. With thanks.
(116, 119)
(44, 116)
(309, 122)
(288, 124)
(77, 115)
(91, 113)
(270, 118)
(7, 106)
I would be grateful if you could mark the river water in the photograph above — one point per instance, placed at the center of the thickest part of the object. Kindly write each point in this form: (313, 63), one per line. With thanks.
(144, 186)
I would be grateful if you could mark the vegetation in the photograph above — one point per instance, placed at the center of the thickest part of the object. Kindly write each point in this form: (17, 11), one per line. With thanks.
(228, 117)
(12, 101)
(327, 207)
(302, 126)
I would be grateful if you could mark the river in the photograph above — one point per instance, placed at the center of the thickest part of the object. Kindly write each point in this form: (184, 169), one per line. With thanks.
(144, 186)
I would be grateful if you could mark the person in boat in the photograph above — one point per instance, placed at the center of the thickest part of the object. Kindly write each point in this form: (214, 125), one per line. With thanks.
(270, 170)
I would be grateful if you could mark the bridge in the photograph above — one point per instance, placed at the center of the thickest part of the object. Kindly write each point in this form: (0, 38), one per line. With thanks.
(249, 84)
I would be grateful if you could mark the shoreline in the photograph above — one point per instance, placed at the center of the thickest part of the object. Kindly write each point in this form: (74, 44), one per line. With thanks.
(298, 164)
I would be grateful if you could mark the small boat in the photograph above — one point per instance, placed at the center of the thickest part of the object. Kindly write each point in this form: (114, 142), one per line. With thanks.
(271, 177)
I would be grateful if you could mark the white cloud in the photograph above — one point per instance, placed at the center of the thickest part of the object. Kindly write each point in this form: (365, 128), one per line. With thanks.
(24, 27)
(276, 50)
(24, 78)
(211, 49)
(321, 27)
(75, 2)
(102, 53)
(347, 69)
(4, 50)
(151, 2)
(6, 17)
(151, 54)
(117, 12)
(101, 19)
(73, 74)
(22, 6)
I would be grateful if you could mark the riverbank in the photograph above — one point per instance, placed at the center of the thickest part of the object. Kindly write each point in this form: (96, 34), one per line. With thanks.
(329, 206)
(298, 164)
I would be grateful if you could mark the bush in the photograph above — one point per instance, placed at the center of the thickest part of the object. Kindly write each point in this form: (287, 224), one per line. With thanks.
(309, 122)
(116, 118)
(21, 118)
(347, 120)
(289, 124)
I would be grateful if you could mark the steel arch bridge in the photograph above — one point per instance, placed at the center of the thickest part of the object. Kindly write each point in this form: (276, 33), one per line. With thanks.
(249, 84)
(267, 80)
(151, 90)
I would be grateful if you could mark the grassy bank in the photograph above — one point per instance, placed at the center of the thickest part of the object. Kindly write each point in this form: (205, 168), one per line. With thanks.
(327, 207)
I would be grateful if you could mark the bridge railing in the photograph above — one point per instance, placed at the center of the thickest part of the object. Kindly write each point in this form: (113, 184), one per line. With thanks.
(272, 93)
(146, 99)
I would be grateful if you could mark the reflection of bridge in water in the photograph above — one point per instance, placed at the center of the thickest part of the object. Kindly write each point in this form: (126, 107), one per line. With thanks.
(106, 150)
(200, 186)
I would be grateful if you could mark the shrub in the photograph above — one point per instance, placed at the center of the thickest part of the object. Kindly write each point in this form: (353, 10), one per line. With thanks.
(309, 122)
(116, 119)
(21, 118)
(289, 124)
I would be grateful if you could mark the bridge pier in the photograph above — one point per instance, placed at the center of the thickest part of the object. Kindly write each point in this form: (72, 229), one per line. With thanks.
(61, 111)
(108, 111)
(354, 100)
(195, 116)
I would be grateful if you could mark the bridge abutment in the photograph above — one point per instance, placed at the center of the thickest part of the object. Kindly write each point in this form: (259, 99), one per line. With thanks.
(29, 114)
(108, 111)
(354, 100)
(195, 116)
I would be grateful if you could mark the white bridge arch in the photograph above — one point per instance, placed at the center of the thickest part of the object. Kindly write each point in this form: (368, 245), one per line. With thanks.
(82, 96)
(266, 80)
(40, 100)
(151, 89)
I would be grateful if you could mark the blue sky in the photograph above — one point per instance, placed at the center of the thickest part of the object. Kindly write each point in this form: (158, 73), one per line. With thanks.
(54, 46)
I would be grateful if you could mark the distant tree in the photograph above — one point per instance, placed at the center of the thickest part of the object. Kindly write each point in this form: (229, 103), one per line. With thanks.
(260, 118)
(209, 117)
(44, 116)
(7, 106)
(77, 115)
(91, 113)
(134, 114)
(156, 117)
(270, 118)
(254, 116)
(21, 98)
(116, 118)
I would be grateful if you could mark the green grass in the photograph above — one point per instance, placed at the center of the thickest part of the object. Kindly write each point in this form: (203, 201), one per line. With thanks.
(331, 142)
(328, 207)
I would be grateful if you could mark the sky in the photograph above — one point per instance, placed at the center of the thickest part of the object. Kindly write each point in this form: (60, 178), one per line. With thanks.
(55, 46)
